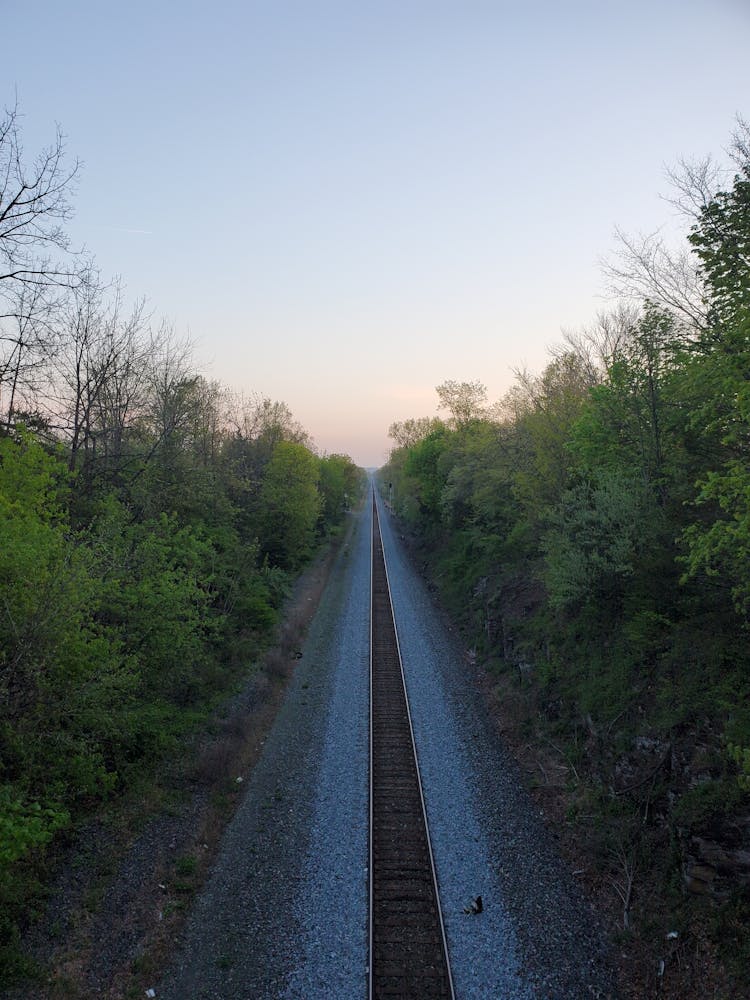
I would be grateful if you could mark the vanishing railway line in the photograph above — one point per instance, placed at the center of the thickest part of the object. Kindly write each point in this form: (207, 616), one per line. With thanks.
(309, 939)
(408, 951)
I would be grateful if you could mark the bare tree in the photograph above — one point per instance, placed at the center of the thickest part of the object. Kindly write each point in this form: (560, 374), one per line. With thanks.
(210, 420)
(739, 151)
(120, 401)
(259, 418)
(78, 369)
(171, 400)
(98, 370)
(694, 183)
(27, 342)
(34, 202)
(598, 346)
(644, 268)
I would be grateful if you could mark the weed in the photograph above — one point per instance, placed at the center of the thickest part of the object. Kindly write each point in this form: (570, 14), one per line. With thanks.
(708, 804)
(186, 865)
(729, 927)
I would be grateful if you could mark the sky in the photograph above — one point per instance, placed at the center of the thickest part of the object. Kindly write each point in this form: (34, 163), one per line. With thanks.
(344, 204)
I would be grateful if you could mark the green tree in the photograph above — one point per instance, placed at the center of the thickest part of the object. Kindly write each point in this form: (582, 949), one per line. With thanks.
(717, 385)
(721, 239)
(465, 401)
(598, 530)
(339, 485)
(633, 418)
(290, 505)
(426, 476)
(718, 543)
(408, 432)
(550, 406)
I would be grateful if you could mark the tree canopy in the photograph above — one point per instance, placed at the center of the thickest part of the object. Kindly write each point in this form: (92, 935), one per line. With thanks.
(591, 534)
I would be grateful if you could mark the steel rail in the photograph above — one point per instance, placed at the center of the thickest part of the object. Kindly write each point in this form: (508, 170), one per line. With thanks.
(408, 951)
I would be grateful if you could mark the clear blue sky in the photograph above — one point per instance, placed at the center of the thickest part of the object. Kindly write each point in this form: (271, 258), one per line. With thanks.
(345, 204)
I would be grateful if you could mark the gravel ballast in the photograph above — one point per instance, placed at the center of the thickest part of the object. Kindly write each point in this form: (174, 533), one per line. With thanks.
(284, 911)
(283, 914)
(537, 936)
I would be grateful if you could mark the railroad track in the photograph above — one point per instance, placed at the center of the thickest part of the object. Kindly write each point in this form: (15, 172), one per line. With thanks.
(408, 950)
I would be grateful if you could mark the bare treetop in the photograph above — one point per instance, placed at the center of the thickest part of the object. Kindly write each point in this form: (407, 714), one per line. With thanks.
(34, 202)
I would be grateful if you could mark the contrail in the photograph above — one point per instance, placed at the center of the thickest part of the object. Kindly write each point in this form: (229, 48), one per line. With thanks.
(121, 229)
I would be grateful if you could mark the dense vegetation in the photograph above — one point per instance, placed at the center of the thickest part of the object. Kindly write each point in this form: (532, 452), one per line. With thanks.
(592, 534)
(150, 524)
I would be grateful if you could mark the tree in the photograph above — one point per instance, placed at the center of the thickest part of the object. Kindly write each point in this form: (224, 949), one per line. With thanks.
(718, 387)
(34, 202)
(290, 505)
(425, 477)
(476, 494)
(96, 371)
(408, 432)
(597, 530)
(28, 340)
(599, 345)
(339, 484)
(120, 402)
(553, 402)
(718, 542)
(645, 268)
(268, 421)
(465, 401)
(721, 240)
(630, 419)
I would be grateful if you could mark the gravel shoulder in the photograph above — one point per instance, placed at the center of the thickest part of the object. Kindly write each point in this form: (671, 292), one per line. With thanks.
(283, 913)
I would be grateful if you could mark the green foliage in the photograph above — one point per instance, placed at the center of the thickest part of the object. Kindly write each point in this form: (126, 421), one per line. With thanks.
(408, 432)
(721, 240)
(703, 809)
(32, 482)
(130, 603)
(465, 401)
(542, 429)
(156, 598)
(340, 484)
(290, 505)
(143, 563)
(719, 543)
(597, 532)
(630, 419)
(25, 826)
(425, 473)
(741, 757)
(597, 537)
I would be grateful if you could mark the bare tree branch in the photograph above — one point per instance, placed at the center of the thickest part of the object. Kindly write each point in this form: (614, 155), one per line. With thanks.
(643, 268)
(34, 204)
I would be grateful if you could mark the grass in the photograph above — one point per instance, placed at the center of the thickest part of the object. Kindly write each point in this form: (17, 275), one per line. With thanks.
(186, 865)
